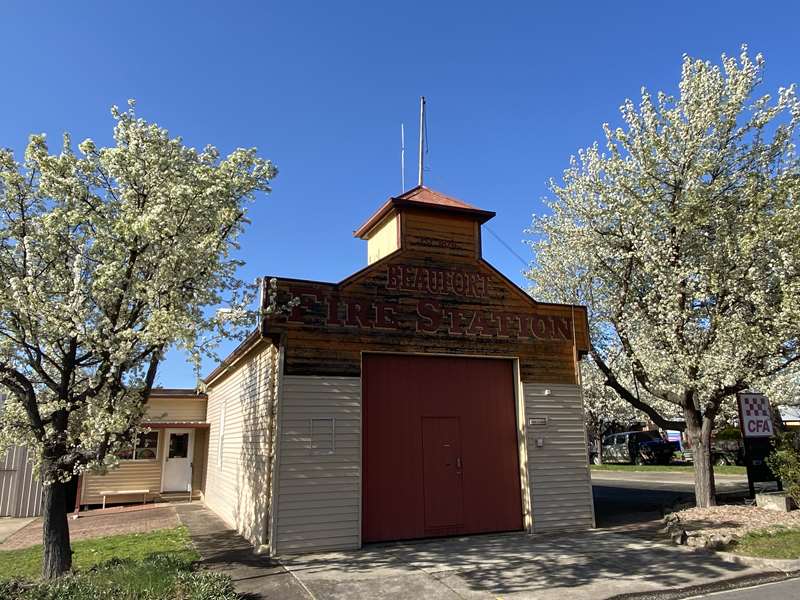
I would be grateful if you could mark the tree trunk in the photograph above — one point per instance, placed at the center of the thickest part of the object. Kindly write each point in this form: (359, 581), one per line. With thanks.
(699, 430)
(57, 555)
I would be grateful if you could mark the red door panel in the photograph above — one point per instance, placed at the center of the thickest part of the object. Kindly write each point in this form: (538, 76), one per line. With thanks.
(408, 400)
(441, 452)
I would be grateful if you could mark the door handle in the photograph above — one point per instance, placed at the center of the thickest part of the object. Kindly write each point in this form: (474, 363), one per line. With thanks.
(458, 463)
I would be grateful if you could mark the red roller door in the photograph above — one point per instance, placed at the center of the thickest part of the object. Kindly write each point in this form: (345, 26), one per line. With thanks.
(440, 447)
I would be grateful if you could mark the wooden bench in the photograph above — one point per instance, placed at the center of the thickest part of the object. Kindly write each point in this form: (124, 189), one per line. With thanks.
(105, 493)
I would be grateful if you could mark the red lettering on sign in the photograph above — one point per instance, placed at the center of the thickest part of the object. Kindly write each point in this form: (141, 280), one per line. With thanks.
(562, 327)
(456, 321)
(394, 277)
(333, 310)
(357, 314)
(480, 325)
(467, 284)
(308, 299)
(385, 317)
(430, 316)
(509, 324)
(538, 327)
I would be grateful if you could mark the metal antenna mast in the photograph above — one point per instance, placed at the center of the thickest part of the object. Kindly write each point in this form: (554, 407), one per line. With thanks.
(421, 135)
(402, 158)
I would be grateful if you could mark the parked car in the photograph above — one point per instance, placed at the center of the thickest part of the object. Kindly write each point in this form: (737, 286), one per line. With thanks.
(723, 452)
(637, 447)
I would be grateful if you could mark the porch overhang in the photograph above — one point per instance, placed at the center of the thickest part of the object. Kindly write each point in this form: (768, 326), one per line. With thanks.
(177, 425)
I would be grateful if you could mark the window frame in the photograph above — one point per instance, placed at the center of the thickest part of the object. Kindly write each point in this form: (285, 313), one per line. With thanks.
(135, 447)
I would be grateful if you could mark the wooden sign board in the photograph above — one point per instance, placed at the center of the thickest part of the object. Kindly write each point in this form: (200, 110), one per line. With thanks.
(422, 298)
(755, 416)
(755, 422)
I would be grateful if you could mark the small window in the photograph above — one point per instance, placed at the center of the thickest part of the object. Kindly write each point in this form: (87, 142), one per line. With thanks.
(178, 445)
(145, 447)
(323, 432)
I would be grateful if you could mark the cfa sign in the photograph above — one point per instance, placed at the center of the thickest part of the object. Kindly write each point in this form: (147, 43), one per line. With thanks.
(755, 416)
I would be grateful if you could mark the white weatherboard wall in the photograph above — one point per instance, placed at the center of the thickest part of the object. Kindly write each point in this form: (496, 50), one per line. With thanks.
(240, 406)
(560, 484)
(318, 484)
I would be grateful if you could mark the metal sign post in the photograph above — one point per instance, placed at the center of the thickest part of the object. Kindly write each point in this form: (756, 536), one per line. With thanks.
(755, 422)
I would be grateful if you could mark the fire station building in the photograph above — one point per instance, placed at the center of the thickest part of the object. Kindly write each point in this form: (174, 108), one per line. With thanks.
(424, 395)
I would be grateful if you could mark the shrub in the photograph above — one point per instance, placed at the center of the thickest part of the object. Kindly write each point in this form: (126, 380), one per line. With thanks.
(785, 464)
(728, 433)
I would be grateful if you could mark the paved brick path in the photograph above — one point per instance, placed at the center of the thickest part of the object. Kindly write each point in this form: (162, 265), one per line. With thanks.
(100, 523)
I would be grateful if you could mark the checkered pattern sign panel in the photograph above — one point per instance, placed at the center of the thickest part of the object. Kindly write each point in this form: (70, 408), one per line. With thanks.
(756, 415)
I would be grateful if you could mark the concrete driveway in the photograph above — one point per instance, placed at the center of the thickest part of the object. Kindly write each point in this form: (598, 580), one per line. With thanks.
(591, 565)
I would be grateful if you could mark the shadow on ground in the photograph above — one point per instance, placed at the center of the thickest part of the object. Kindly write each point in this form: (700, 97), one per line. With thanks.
(598, 563)
(256, 576)
(589, 565)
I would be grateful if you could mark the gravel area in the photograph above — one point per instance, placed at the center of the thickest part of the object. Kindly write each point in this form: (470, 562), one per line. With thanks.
(719, 525)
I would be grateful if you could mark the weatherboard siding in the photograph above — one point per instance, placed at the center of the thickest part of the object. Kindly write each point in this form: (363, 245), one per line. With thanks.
(240, 408)
(172, 410)
(559, 480)
(318, 489)
(383, 240)
(129, 475)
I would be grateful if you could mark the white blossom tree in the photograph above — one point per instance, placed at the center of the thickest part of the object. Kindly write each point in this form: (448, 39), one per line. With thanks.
(108, 258)
(603, 408)
(682, 239)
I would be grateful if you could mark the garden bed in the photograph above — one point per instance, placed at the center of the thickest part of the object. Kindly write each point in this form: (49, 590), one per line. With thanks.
(731, 527)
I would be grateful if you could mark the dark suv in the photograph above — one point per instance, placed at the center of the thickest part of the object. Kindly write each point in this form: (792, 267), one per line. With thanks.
(637, 447)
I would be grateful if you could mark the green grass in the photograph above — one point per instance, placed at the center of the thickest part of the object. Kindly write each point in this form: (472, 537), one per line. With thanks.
(781, 543)
(159, 565)
(725, 470)
(26, 563)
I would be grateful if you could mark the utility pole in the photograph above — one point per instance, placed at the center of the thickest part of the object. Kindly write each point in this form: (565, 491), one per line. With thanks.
(421, 135)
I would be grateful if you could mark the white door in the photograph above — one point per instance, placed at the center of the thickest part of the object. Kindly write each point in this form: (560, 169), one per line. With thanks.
(177, 472)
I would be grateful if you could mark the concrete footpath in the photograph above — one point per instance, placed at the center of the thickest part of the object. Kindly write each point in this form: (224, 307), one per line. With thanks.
(256, 577)
(591, 565)
(9, 526)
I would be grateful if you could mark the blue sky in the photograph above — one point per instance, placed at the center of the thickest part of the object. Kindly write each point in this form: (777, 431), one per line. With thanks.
(321, 88)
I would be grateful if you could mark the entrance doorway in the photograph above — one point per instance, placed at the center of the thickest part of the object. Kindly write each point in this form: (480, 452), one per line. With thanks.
(177, 467)
(444, 493)
(440, 453)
